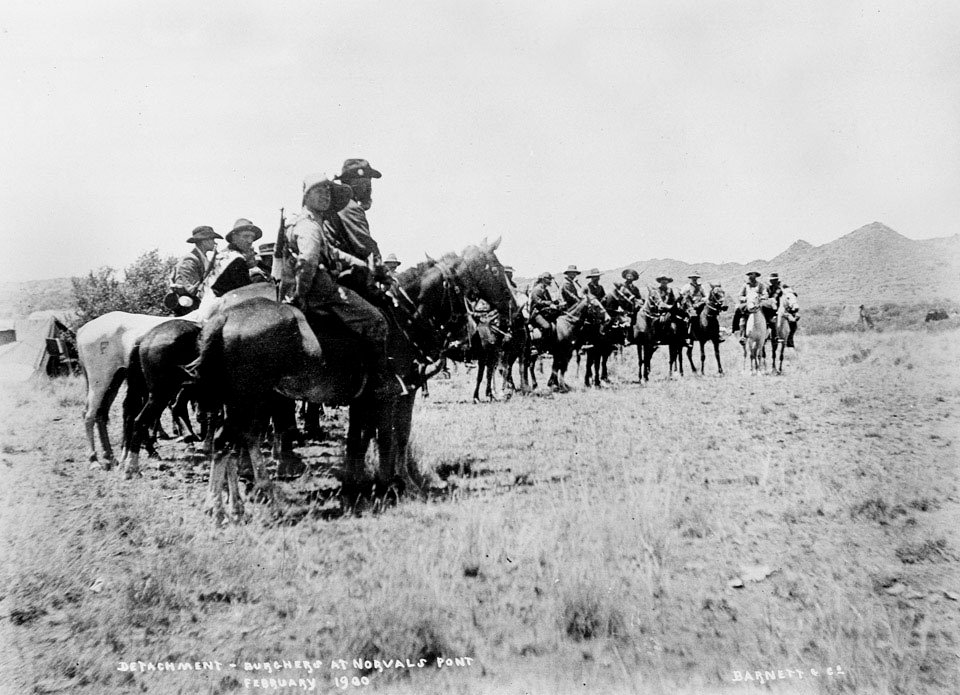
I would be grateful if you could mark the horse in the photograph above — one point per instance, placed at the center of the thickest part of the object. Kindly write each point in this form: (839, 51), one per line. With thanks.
(104, 345)
(515, 345)
(599, 342)
(705, 326)
(154, 379)
(783, 333)
(755, 331)
(563, 339)
(483, 343)
(651, 331)
(259, 346)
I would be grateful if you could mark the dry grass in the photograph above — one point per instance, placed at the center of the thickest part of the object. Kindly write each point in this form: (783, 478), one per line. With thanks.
(586, 543)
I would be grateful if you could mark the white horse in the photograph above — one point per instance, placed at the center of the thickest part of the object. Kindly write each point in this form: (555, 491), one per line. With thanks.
(756, 330)
(787, 313)
(104, 346)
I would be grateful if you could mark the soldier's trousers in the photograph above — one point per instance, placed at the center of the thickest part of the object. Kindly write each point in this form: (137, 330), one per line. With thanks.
(540, 322)
(356, 313)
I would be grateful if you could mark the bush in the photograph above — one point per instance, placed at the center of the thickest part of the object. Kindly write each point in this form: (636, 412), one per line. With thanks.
(140, 292)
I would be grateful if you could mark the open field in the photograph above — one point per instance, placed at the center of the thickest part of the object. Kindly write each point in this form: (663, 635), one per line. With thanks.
(677, 537)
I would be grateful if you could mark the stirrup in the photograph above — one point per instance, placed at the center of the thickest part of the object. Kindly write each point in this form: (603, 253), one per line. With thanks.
(403, 387)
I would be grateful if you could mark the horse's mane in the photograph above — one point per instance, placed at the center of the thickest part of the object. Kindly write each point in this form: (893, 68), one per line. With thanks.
(422, 267)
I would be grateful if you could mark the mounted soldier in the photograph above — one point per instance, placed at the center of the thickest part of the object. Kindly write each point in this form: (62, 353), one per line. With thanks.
(233, 265)
(312, 267)
(693, 297)
(774, 293)
(544, 309)
(662, 300)
(630, 292)
(752, 284)
(187, 279)
(570, 290)
(353, 233)
(593, 284)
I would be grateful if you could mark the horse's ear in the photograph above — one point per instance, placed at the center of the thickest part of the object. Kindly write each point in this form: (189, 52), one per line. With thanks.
(429, 260)
(495, 244)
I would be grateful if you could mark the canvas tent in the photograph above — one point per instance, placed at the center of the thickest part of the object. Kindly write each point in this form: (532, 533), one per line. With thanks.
(29, 353)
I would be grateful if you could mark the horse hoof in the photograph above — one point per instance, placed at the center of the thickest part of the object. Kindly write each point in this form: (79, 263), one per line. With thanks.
(476, 401)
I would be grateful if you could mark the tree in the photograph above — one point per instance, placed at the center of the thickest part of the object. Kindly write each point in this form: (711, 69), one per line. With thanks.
(97, 294)
(141, 292)
(146, 281)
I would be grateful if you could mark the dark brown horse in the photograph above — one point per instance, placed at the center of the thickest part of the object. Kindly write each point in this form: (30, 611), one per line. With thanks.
(564, 339)
(259, 346)
(705, 326)
(652, 331)
(601, 339)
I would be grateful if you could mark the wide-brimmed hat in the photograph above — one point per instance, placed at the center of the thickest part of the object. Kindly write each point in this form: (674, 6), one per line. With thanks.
(391, 259)
(243, 225)
(266, 249)
(664, 278)
(571, 269)
(358, 169)
(508, 268)
(753, 274)
(545, 276)
(694, 274)
(594, 273)
(202, 233)
(774, 276)
(340, 193)
(630, 274)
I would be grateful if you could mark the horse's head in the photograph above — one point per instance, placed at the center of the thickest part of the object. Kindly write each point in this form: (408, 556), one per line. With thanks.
(788, 300)
(481, 275)
(753, 298)
(717, 299)
(596, 313)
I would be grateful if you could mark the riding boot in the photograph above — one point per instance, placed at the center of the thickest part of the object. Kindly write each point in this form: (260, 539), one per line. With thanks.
(793, 329)
(387, 383)
(743, 333)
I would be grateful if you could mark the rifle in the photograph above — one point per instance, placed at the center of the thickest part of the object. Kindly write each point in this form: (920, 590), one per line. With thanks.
(276, 269)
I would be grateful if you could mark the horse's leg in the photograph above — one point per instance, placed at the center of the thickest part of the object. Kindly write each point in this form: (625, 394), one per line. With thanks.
(399, 419)
(586, 376)
(481, 365)
(491, 369)
(140, 432)
(693, 367)
(359, 433)
(716, 352)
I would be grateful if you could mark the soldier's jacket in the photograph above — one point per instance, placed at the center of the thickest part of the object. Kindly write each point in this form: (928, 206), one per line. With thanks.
(632, 294)
(774, 292)
(190, 272)
(351, 232)
(541, 303)
(570, 292)
(696, 295)
(309, 246)
(761, 288)
(596, 290)
(660, 301)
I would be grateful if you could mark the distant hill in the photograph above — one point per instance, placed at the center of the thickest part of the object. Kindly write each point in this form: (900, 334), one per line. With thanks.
(871, 265)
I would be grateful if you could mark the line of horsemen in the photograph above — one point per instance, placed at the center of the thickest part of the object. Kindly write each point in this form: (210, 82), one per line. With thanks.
(661, 303)
(326, 262)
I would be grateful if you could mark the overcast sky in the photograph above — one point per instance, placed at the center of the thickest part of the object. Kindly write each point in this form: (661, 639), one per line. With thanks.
(595, 133)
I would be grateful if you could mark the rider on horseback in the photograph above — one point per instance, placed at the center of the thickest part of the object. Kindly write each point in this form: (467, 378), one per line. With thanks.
(570, 291)
(593, 285)
(739, 320)
(544, 309)
(662, 300)
(318, 262)
(694, 298)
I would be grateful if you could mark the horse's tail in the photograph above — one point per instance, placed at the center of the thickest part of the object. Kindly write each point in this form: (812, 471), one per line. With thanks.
(207, 369)
(136, 396)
